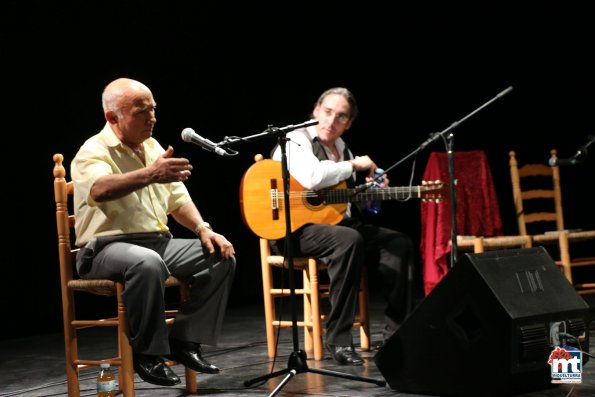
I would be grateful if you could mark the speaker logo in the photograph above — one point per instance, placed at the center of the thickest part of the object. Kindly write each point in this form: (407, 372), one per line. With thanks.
(566, 365)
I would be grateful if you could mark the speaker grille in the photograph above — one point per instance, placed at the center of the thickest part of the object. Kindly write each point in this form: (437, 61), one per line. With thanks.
(577, 327)
(533, 342)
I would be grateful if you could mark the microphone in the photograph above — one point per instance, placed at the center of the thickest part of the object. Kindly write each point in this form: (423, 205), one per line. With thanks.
(188, 135)
(557, 162)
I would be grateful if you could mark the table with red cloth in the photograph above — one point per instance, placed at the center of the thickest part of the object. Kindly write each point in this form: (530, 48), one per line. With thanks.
(478, 213)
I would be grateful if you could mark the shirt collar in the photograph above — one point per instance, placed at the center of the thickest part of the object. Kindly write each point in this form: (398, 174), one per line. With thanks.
(312, 134)
(111, 140)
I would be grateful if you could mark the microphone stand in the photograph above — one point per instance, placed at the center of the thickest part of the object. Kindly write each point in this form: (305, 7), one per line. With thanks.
(297, 359)
(449, 143)
(581, 154)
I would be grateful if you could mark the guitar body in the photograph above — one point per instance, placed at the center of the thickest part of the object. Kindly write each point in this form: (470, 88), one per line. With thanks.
(262, 202)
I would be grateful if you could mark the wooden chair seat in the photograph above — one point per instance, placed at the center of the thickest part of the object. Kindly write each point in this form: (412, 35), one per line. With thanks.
(480, 244)
(107, 287)
(553, 237)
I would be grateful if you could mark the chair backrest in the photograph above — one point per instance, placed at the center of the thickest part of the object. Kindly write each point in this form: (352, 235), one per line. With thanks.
(64, 221)
(63, 190)
(537, 196)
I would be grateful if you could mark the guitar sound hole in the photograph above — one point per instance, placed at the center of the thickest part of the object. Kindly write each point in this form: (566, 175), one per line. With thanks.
(315, 199)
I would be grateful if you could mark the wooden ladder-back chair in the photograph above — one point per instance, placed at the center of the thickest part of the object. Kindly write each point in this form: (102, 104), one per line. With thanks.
(312, 292)
(537, 199)
(63, 191)
(264, 179)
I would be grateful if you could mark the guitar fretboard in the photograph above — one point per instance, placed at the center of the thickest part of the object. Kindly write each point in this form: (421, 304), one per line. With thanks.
(378, 193)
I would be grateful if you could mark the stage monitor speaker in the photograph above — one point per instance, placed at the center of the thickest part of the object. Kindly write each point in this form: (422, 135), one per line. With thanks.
(487, 328)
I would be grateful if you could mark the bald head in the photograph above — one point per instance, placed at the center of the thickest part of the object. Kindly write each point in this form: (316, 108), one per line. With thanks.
(129, 108)
(119, 91)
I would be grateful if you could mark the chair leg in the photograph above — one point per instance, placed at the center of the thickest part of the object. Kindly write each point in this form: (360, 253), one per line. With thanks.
(70, 344)
(565, 255)
(191, 381)
(364, 320)
(478, 245)
(269, 303)
(315, 304)
(126, 370)
(308, 316)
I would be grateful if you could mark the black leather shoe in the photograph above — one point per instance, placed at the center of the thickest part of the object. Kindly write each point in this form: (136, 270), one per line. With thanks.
(153, 369)
(189, 354)
(345, 355)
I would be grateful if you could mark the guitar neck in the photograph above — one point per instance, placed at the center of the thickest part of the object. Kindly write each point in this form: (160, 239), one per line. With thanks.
(378, 193)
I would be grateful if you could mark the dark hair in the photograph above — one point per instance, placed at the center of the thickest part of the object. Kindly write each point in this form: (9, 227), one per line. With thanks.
(345, 93)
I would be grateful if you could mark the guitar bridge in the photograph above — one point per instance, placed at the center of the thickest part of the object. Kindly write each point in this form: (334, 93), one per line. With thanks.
(274, 200)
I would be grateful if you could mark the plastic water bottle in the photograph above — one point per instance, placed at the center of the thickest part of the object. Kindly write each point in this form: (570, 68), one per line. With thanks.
(106, 382)
(373, 206)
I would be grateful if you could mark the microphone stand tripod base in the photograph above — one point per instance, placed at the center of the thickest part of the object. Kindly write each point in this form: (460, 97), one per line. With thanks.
(297, 364)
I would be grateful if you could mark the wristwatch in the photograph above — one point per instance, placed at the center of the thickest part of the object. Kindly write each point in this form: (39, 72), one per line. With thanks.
(201, 226)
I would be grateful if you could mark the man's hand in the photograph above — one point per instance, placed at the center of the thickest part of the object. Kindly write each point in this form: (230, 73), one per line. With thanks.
(362, 163)
(209, 239)
(170, 169)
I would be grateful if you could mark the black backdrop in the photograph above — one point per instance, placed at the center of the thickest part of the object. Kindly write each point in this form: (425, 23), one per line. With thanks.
(232, 70)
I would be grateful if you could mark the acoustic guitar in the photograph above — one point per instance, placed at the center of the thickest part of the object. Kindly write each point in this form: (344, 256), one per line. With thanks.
(262, 199)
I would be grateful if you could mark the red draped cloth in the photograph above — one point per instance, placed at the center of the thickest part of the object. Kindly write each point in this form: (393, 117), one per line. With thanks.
(478, 212)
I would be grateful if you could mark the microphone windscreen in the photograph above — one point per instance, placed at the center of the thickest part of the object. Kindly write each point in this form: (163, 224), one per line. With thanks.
(187, 134)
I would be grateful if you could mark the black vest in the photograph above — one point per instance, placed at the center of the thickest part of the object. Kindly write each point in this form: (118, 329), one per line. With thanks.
(320, 153)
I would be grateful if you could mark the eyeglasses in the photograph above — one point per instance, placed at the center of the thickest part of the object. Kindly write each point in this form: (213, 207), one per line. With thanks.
(342, 118)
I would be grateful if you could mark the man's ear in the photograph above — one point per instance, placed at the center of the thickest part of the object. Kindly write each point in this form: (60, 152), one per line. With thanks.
(348, 125)
(111, 117)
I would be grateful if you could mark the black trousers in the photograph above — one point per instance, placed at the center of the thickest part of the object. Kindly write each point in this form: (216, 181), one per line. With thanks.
(346, 248)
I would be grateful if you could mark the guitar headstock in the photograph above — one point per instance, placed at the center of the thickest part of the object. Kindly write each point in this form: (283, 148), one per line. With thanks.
(434, 191)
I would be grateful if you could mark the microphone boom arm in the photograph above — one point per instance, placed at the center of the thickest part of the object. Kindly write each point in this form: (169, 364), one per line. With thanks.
(274, 131)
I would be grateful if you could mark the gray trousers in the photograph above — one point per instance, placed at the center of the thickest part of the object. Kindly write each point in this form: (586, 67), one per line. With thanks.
(144, 266)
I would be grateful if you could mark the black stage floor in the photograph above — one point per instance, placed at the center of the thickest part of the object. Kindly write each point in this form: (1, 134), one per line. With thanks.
(35, 366)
